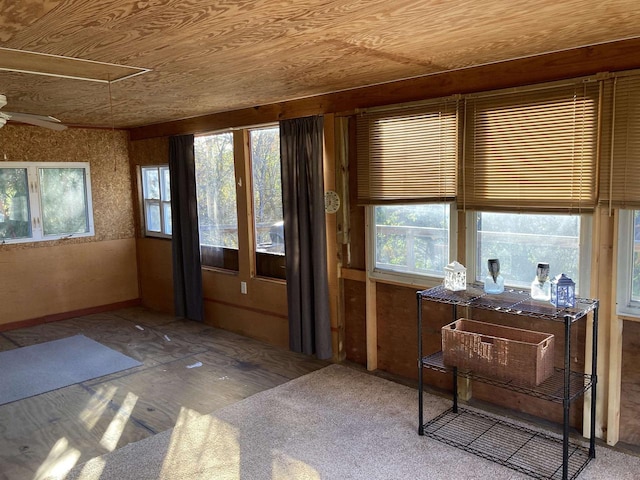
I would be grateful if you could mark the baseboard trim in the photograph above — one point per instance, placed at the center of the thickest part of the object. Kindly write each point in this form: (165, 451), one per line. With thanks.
(56, 317)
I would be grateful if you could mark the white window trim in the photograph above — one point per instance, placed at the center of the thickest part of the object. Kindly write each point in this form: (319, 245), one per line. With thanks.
(624, 305)
(411, 279)
(586, 234)
(160, 203)
(35, 202)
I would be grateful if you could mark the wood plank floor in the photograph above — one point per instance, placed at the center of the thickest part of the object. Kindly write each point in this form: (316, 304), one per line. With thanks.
(59, 429)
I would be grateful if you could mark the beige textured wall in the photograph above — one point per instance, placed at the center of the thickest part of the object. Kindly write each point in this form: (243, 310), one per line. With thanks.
(31, 274)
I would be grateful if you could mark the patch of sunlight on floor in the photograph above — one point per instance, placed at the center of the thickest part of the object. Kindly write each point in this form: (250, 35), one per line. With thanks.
(186, 415)
(285, 467)
(114, 431)
(60, 460)
(96, 406)
(93, 469)
(205, 446)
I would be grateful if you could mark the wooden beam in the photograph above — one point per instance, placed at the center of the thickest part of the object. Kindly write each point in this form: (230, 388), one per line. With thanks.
(353, 274)
(329, 163)
(371, 315)
(244, 200)
(614, 384)
(613, 56)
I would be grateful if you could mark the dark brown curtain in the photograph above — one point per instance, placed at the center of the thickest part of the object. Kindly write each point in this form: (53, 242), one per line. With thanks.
(187, 274)
(305, 236)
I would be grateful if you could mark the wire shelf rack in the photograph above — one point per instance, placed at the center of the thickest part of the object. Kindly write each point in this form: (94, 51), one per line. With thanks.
(551, 389)
(511, 301)
(534, 453)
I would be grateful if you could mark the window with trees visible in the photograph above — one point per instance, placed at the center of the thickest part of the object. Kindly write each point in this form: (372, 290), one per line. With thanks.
(216, 198)
(520, 241)
(407, 173)
(628, 285)
(412, 239)
(44, 201)
(156, 194)
(267, 202)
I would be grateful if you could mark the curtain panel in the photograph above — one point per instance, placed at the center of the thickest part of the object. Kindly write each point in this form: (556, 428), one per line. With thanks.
(301, 150)
(187, 273)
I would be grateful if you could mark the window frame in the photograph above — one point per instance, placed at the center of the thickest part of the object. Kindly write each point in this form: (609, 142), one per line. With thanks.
(407, 278)
(35, 200)
(160, 202)
(218, 257)
(584, 245)
(625, 305)
(266, 265)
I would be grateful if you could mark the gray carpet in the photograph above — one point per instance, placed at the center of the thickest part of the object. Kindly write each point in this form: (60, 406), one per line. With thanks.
(336, 423)
(40, 368)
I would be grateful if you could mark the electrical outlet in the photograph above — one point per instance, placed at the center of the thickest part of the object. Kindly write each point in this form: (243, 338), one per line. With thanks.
(243, 288)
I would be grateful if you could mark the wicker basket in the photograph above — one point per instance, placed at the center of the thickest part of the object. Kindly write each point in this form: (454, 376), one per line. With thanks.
(506, 353)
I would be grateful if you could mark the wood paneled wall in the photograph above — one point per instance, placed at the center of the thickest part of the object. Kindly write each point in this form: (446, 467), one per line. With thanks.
(395, 306)
(630, 391)
(40, 282)
(261, 313)
(41, 279)
(155, 273)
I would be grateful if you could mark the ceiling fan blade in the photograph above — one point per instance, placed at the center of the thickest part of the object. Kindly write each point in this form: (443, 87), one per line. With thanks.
(44, 121)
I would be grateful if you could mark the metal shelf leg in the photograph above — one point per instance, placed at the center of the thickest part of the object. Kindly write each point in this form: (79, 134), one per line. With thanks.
(594, 382)
(566, 404)
(420, 368)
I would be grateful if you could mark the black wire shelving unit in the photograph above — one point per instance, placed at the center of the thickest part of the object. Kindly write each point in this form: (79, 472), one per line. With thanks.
(509, 443)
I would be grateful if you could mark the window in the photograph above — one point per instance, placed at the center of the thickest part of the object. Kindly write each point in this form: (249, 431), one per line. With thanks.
(216, 197)
(157, 201)
(408, 154)
(531, 150)
(407, 173)
(521, 241)
(411, 239)
(44, 201)
(267, 202)
(628, 285)
(619, 166)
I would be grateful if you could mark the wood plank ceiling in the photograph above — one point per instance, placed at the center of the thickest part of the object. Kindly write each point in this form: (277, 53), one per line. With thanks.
(214, 56)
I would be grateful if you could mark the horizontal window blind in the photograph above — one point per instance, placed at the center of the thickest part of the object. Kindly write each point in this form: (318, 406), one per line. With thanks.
(408, 155)
(531, 150)
(620, 165)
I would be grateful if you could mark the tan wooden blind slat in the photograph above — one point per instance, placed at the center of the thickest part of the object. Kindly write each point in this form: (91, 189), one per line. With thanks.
(531, 150)
(407, 155)
(620, 165)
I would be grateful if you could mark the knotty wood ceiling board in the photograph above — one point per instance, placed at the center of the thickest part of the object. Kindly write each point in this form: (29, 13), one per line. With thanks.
(214, 56)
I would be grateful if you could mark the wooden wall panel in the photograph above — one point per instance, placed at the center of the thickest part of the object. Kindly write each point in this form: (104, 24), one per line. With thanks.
(154, 254)
(254, 323)
(155, 274)
(354, 320)
(261, 313)
(398, 333)
(38, 282)
(630, 389)
(40, 279)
